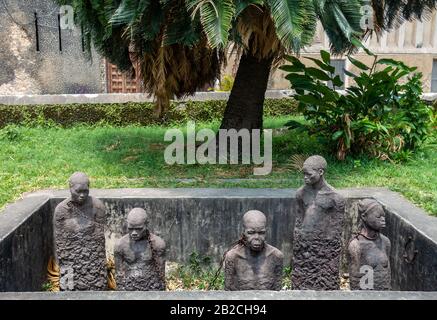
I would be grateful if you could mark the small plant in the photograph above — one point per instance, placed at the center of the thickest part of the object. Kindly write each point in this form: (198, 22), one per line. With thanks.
(10, 133)
(379, 115)
(48, 286)
(286, 278)
(296, 162)
(226, 83)
(198, 274)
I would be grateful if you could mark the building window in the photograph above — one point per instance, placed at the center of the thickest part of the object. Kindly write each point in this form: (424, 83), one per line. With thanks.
(434, 77)
(339, 66)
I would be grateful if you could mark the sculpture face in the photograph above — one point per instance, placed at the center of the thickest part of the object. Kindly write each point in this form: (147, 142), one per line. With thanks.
(312, 175)
(375, 218)
(137, 231)
(255, 230)
(79, 192)
(137, 224)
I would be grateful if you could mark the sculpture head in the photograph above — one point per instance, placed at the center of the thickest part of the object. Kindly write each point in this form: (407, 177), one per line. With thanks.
(254, 223)
(137, 223)
(372, 214)
(314, 169)
(79, 187)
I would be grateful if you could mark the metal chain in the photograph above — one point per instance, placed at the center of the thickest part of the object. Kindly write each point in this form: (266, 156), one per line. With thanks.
(80, 213)
(156, 265)
(240, 242)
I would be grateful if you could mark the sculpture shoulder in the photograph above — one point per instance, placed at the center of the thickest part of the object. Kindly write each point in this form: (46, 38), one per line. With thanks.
(61, 210)
(331, 191)
(274, 252)
(339, 198)
(98, 205)
(122, 244)
(385, 240)
(234, 253)
(336, 196)
(157, 242)
(300, 192)
(354, 247)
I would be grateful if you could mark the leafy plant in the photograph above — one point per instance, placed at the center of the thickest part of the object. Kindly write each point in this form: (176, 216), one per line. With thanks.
(47, 286)
(379, 115)
(286, 278)
(120, 114)
(11, 133)
(227, 83)
(197, 274)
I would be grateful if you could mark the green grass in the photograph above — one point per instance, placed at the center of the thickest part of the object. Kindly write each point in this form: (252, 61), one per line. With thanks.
(132, 156)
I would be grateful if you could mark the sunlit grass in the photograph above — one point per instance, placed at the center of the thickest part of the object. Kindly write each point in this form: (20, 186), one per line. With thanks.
(133, 156)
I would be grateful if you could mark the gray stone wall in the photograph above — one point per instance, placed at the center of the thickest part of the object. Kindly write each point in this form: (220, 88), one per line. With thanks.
(24, 70)
(26, 242)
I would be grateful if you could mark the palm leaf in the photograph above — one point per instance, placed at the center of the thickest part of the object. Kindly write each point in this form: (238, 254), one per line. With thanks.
(129, 11)
(341, 21)
(295, 22)
(216, 17)
(241, 5)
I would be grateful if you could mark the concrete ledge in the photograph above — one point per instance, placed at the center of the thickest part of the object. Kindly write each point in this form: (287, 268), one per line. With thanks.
(117, 98)
(17, 213)
(222, 295)
(138, 97)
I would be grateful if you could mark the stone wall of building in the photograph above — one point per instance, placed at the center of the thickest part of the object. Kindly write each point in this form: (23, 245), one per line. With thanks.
(414, 43)
(25, 70)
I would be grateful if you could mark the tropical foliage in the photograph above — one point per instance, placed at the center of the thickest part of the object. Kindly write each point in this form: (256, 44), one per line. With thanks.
(381, 115)
(180, 45)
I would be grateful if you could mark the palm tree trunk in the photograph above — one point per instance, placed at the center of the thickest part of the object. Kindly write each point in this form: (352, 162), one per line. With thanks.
(244, 108)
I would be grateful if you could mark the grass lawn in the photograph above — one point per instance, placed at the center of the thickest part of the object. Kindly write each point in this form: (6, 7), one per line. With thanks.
(41, 158)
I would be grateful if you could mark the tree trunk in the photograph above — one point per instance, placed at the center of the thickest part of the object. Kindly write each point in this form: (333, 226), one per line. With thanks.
(245, 105)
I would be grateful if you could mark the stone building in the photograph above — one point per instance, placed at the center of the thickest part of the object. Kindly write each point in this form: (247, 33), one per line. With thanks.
(414, 43)
(37, 56)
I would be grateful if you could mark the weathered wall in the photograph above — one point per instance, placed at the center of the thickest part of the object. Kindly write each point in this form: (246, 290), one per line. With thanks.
(24, 70)
(25, 245)
(207, 226)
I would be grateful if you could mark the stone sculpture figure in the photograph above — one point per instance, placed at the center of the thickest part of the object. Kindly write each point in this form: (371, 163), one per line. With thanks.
(317, 236)
(253, 264)
(79, 226)
(369, 250)
(139, 256)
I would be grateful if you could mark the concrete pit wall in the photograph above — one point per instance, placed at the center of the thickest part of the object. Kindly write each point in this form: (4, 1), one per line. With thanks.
(207, 221)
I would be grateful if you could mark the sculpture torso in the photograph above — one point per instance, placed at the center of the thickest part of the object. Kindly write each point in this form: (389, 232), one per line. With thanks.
(137, 268)
(322, 213)
(245, 271)
(372, 253)
(80, 244)
(317, 238)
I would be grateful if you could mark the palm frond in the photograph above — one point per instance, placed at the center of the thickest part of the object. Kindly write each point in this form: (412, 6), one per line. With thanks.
(295, 22)
(341, 21)
(241, 5)
(129, 11)
(216, 17)
(391, 13)
(296, 162)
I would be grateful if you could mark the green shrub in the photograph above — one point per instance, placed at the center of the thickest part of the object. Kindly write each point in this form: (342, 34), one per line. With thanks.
(378, 116)
(198, 274)
(126, 113)
(227, 83)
